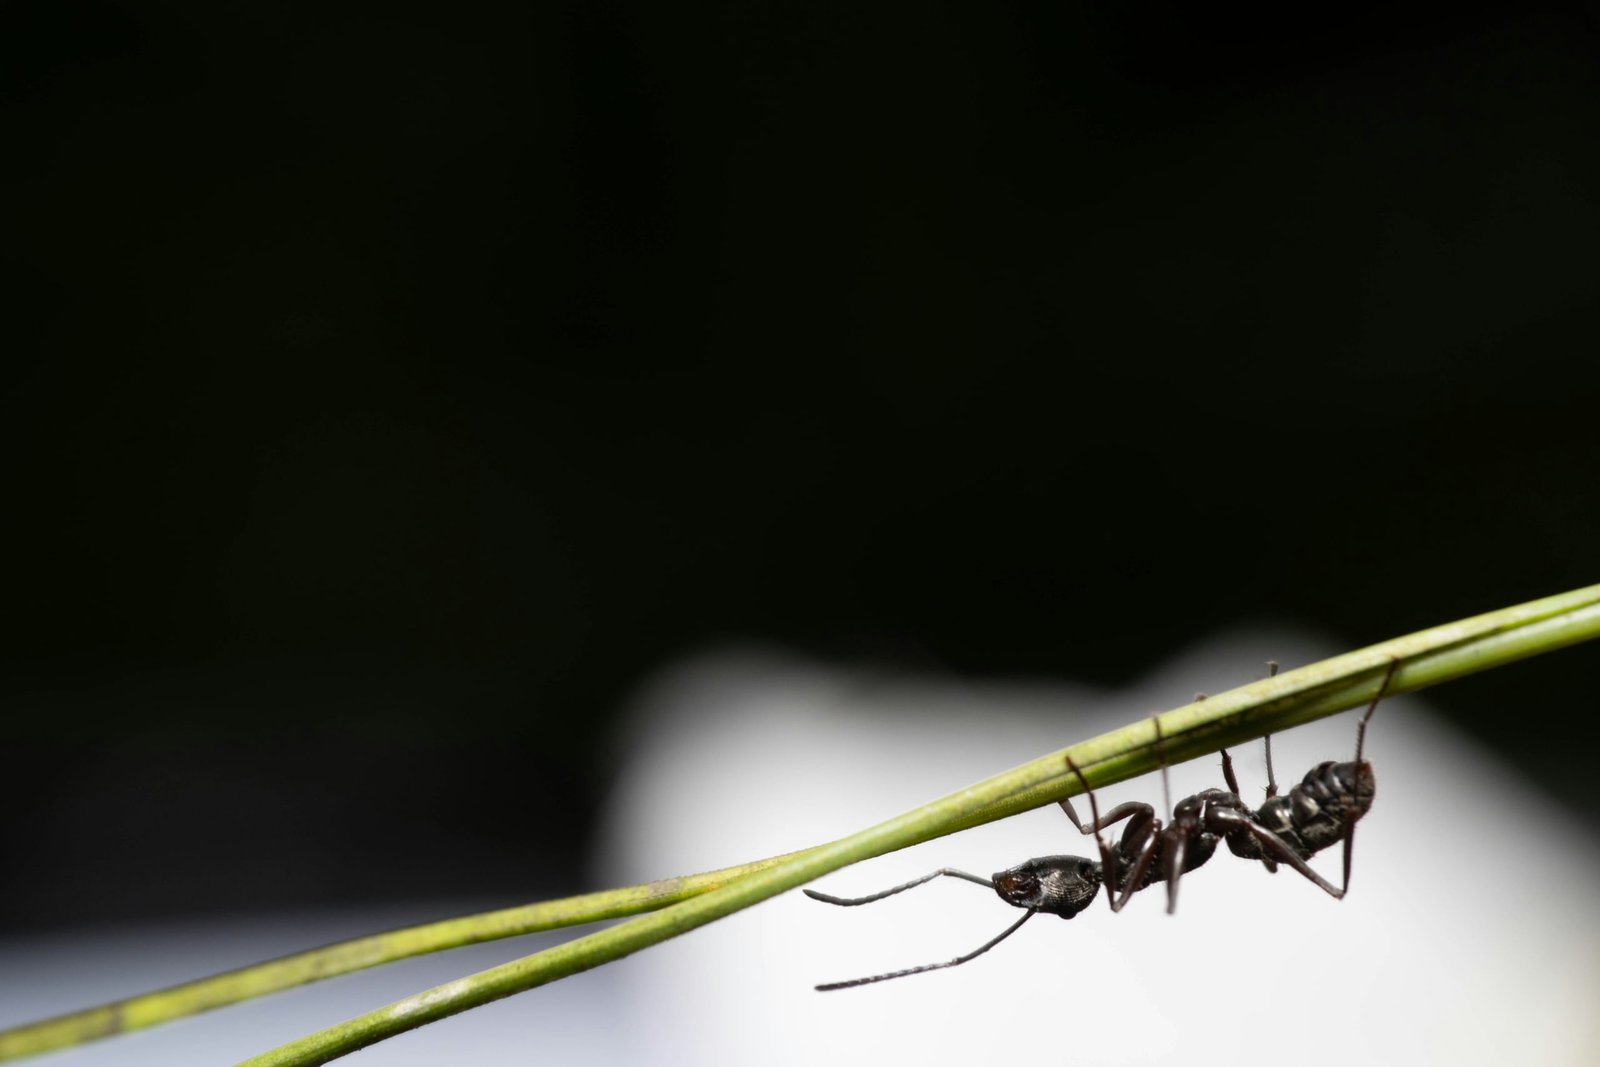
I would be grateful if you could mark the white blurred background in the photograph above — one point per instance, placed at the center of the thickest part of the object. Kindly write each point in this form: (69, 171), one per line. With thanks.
(1468, 937)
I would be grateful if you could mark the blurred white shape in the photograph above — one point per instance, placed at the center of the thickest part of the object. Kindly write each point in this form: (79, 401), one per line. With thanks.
(1469, 935)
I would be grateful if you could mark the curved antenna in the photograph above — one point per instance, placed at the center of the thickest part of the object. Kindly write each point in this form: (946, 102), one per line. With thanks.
(974, 954)
(850, 902)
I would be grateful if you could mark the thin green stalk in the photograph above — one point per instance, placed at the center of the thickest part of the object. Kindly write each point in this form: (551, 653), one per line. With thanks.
(357, 954)
(302, 968)
(1424, 659)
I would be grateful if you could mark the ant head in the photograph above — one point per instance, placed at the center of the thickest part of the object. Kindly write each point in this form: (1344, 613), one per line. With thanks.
(1060, 885)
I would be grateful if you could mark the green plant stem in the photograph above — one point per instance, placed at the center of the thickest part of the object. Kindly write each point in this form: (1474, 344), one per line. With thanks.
(302, 968)
(345, 957)
(1424, 659)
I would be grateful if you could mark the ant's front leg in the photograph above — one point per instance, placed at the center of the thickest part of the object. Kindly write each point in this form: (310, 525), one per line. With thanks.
(1228, 775)
(1139, 837)
(1233, 787)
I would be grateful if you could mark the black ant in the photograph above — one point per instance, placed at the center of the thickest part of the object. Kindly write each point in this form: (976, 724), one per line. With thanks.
(1319, 812)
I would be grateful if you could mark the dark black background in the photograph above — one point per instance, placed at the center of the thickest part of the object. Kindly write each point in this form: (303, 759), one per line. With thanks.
(390, 390)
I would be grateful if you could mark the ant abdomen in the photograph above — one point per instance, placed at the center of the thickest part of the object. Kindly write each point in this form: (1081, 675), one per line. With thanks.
(1317, 813)
(1329, 801)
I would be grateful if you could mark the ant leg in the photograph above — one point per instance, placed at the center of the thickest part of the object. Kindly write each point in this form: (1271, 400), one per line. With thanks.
(1361, 736)
(1227, 773)
(1222, 822)
(1227, 761)
(1383, 689)
(1272, 780)
(1142, 826)
(1143, 834)
(1175, 840)
(850, 902)
(974, 954)
(1111, 818)
(1141, 866)
(1349, 850)
(1172, 865)
(1122, 811)
(1161, 754)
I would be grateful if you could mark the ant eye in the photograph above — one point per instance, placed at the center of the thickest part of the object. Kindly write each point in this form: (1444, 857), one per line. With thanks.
(1015, 886)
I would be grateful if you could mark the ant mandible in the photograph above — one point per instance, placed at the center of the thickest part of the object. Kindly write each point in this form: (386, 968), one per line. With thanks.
(1319, 812)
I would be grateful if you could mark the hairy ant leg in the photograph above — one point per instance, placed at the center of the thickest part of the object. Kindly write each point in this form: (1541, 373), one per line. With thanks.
(1272, 779)
(1365, 785)
(1149, 851)
(1141, 838)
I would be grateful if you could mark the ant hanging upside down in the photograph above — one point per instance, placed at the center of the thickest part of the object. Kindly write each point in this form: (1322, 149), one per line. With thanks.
(1316, 814)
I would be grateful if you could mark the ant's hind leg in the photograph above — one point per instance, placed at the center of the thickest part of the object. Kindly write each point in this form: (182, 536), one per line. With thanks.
(1361, 737)
(1225, 822)
(1383, 689)
(1272, 779)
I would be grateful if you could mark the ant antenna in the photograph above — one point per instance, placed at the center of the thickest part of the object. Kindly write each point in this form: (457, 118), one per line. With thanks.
(1057, 885)
(850, 902)
(974, 954)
